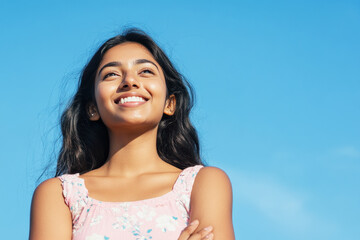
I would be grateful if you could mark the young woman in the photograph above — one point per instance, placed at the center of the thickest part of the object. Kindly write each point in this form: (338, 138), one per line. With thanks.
(129, 166)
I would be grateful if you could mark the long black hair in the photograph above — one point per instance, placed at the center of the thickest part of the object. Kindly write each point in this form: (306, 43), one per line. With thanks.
(85, 143)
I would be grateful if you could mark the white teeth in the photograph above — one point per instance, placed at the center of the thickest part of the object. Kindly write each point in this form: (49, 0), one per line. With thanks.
(131, 99)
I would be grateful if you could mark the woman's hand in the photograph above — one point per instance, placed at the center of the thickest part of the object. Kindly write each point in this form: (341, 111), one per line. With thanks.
(189, 232)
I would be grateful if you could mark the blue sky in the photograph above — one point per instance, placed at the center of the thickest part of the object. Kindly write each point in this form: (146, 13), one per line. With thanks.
(278, 101)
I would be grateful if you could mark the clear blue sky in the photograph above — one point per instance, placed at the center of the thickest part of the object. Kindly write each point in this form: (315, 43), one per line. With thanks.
(278, 101)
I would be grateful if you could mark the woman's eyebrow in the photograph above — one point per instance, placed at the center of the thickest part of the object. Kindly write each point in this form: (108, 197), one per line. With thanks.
(110, 64)
(140, 61)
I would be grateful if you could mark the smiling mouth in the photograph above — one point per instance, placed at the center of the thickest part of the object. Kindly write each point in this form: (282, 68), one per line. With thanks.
(132, 99)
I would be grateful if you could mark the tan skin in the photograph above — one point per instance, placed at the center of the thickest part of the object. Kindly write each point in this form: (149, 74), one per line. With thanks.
(134, 168)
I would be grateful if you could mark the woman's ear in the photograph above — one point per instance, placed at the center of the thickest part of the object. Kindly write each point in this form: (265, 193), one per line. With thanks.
(170, 105)
(93, 113)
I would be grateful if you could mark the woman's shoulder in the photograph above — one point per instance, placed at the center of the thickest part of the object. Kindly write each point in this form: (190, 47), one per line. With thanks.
(199, 179)
(48, 192)
(210, 181)
(49, 187)
(56, 190)
(48, 196)
(213, 172)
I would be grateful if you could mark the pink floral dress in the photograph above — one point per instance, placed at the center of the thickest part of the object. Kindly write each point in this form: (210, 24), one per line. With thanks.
(156, 218)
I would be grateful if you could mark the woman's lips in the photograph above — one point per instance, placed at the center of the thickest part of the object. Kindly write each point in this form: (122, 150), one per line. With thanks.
(130, 101)
(131, 104)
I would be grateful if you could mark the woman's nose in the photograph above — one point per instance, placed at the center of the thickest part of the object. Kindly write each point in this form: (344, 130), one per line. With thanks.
(129, 81)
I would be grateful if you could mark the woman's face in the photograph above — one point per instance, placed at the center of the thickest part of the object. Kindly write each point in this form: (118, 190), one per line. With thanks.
(130, 88)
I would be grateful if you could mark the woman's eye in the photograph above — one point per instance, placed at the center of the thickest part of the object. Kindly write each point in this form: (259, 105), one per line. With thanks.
(109, 75)
(147, 71)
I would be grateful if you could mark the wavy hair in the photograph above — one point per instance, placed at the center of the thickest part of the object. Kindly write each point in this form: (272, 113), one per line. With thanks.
(85, 143)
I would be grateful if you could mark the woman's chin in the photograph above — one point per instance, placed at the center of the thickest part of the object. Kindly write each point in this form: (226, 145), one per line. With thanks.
(136, 124)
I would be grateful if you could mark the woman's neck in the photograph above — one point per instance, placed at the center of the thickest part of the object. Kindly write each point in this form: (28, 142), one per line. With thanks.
(131, 154)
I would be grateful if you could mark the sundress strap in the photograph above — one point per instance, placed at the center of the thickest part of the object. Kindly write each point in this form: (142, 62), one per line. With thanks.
(74, 192)
(186, 179)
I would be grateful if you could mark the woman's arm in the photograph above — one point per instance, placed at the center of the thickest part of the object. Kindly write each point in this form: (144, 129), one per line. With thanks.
(211, 202)
(50, 217)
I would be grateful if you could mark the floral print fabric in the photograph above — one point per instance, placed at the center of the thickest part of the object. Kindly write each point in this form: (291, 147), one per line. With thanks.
(161, 217)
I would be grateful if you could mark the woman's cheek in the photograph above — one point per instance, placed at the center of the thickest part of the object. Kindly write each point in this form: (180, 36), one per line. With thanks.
(103, 99)
(158, 90)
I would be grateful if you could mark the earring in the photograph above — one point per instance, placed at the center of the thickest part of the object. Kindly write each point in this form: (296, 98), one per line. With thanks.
(92, 112)
(94, 116)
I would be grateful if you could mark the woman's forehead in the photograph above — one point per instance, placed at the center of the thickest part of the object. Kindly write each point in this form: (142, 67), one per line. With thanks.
(127, 51)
